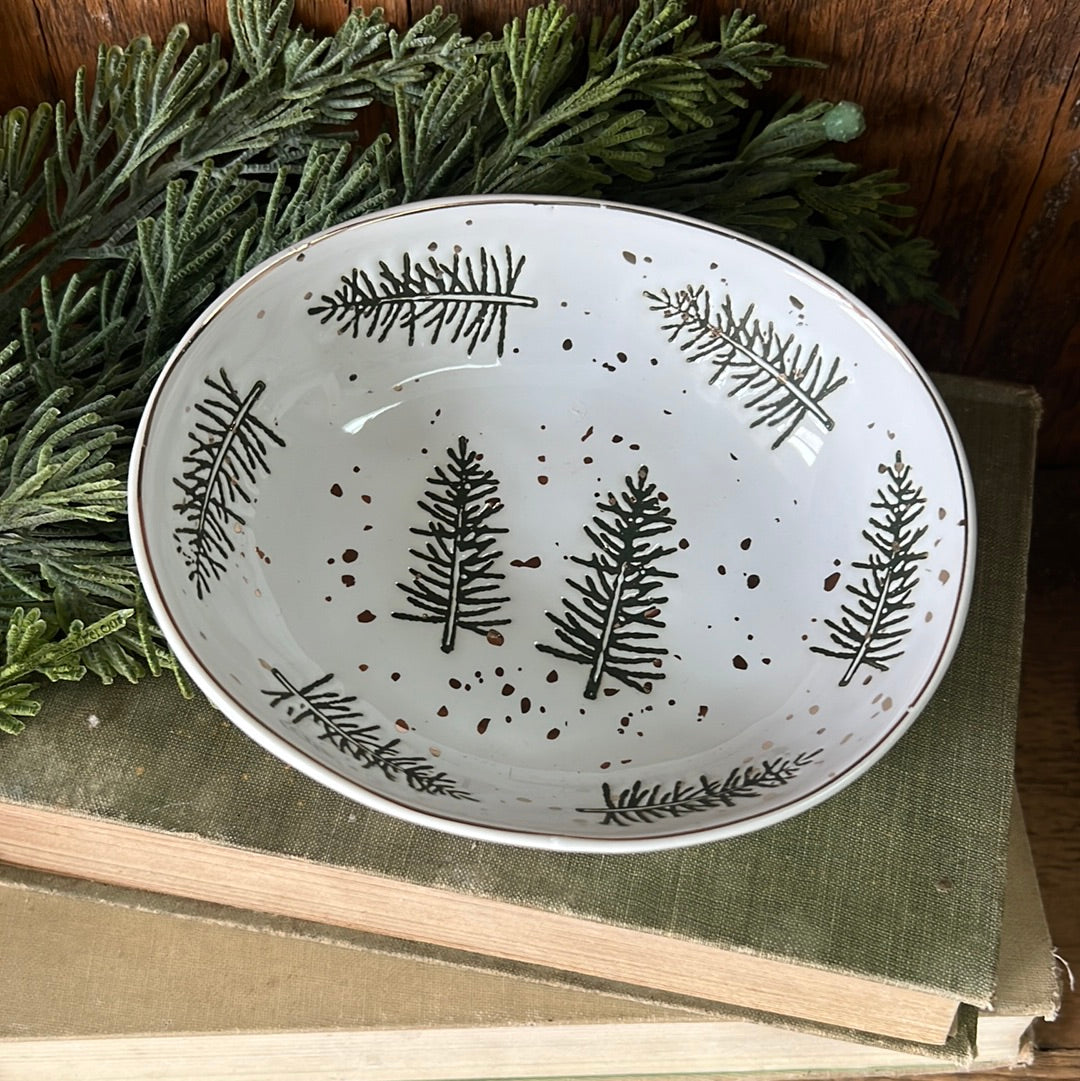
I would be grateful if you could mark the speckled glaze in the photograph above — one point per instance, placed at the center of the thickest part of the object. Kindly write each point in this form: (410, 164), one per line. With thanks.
(555, 523)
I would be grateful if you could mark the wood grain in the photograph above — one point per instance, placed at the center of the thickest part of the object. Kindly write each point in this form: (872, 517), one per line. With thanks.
(976, 102)
(1048, 743)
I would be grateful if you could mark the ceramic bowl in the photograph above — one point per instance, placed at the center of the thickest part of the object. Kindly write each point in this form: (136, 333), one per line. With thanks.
(554, 522)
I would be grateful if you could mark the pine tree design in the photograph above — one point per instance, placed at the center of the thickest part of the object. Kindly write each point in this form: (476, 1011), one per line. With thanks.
(643, 803)
(871, 630)
(467, 298)
(611, 629)
(231, 448)
(782, 381)
(336, 714)
(456, 586)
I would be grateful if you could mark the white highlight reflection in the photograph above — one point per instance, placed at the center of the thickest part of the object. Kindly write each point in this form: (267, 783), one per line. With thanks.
(353, 426)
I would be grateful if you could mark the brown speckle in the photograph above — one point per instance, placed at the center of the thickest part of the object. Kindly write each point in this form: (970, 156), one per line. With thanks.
(831, 581)
(702, 711)
(721, 569)
(395, 676)
(482, 727)
(350, 555)
(568, 344)
(943, 577)
(553, 733)
(616, 439)
(365, 498)
(745, 543)
(752, 581)
(366, 616)
(261, 314)
(739, 661)
(348, 580)
(886, 703)
(929, 616)
(401, 725)
(434, 752)
(552, 676)
(630, 257)
(814, 710)
(684, 544)
(532, 562)
(495, 638)
(588, 433)
(542, 479)
(442, 711)
(455, 683)
(507, 690)
(526, 705)
(335, 489)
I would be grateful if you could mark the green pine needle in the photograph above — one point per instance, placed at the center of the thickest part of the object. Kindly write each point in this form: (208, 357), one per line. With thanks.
(177, 168)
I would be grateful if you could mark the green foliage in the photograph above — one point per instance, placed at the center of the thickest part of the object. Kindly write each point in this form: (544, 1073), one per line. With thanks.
(176, 169)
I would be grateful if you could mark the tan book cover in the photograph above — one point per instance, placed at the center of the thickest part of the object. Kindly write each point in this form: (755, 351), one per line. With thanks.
(879, 909)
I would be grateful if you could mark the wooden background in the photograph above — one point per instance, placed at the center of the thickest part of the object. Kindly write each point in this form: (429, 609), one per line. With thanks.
(976, 102)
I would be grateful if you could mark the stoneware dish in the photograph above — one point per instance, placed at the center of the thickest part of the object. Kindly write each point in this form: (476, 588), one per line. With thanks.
(554, 522)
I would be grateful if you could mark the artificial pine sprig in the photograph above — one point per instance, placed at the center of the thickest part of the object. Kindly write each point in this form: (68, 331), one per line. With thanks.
(177, 168)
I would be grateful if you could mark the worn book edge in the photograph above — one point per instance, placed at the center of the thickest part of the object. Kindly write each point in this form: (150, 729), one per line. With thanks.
(506, 995)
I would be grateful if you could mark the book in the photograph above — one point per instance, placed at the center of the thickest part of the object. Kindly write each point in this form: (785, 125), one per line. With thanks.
(288, 1004)
(879, 909)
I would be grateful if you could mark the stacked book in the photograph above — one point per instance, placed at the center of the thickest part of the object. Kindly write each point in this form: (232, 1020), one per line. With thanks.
(176, 903)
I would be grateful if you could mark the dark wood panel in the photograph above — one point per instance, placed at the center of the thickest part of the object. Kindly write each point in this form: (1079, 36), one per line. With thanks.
(974, 101)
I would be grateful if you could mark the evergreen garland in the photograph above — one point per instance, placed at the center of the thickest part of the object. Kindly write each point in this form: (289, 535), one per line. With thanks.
(176, 169)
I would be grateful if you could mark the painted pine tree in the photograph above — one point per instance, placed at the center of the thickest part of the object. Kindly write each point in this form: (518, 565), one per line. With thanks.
(230, 449)
(643, 803)
(612, 627)
(871, 631)
(780, 380)
(465, 298)
(338, 719)
(456, 585)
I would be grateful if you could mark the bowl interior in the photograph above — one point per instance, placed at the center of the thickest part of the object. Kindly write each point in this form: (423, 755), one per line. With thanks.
(555, 523)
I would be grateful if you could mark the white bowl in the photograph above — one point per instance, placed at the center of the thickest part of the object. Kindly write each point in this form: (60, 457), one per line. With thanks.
(555, 522)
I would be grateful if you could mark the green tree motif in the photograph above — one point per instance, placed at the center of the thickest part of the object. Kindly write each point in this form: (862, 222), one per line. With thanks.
(781, 381)
(467, 298)
(456, 583)
(643, 803)
(871, 630)
(338, 718)
(230, 449)
(611, 629)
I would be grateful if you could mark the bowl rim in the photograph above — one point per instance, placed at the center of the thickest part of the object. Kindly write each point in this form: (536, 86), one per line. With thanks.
(249, 723)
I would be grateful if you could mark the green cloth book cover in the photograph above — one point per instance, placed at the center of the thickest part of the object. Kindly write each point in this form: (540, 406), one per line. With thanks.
(897, 882)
